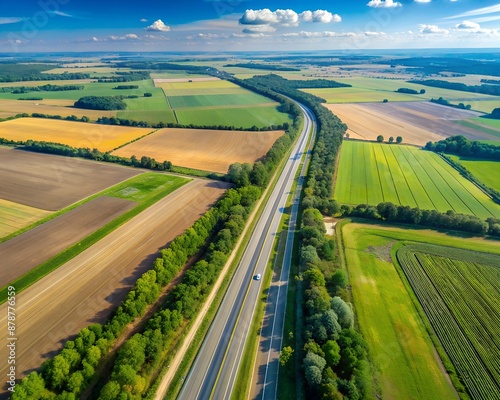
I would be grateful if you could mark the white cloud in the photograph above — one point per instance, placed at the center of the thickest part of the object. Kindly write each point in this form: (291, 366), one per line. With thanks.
(62, 14)
(94, 39)
(129, 36)
(432, 30)
(286, 18)
(159, 26)
(306, 34)
(9, 20)
(478, 11)
(423, 1)
(144, 20)
(207, 36)
(383, 4)
(259, 29)
(468, 25)
(321, 16)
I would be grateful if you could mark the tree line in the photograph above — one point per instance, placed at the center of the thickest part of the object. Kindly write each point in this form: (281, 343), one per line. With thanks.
(462, 146)
(43, 88)
(410, 91)
(267, 67)
(445, 102)
(430, 218)
(483, 89)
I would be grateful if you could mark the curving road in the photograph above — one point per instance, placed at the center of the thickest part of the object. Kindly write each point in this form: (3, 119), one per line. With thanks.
(214, 371)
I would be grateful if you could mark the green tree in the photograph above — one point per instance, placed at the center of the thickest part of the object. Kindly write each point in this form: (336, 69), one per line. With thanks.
(399, 140)
(339, 279)
(380, 138)
(343, 311)
(391, 139)
(332, 352)
(285, 355)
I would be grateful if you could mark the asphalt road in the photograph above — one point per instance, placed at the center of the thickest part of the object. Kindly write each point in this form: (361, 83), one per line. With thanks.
(265, 383)
(214, 371)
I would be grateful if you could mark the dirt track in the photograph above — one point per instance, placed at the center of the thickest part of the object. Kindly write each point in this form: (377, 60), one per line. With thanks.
(26, 251)
(53, 182)
(88, 288)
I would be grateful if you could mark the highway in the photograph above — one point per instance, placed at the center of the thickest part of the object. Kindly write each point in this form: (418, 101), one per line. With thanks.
(265, 382)
(215, 368)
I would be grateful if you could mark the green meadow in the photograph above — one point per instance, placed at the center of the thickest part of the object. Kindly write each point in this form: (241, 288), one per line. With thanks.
(487, 172)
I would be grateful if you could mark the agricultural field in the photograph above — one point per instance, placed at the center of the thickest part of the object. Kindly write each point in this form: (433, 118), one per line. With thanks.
(487, 172)
(459, 292)
(483, 125)
(209, 150)
(152, 109)
(219, 102)
(14, 216)
(75, 134)
(50, 182)
(407, 366)
(366, 90)
(30, 249)
(64, 108)
(372, 173)
(416, 122)
(92, 284)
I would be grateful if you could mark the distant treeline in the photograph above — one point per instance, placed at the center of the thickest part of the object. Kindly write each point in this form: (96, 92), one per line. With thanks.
(462, 146)
(495, 113)
(267, 67)
(30, 98)
(431, 218)
(43, 88)
(410, 91)
(125, 76)
(21, 74)
(101, 103)
(491, 81)
(444, 102)
(483, 89)
(126, 87)
(463, 65)
(158, 66)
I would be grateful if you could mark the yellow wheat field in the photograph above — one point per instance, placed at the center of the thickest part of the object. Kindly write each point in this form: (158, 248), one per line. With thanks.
(14, 216)
(75, 134)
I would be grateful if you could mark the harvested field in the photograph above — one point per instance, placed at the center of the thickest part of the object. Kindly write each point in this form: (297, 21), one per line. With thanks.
(15, 216)
(416, 122)
(372, 173)
(184, 88)
(209, 150)
(64, 108)
(26, 251)
(76, 134)
(89, 287)
(53, 182)
(185, 79)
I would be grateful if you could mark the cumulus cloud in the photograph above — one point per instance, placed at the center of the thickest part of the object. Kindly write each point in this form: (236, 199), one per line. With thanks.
(432, 29)
(259, 29)
(468, 25)
(286, 18)
(423, 1)
(383, 4)
(321, 16)
(144, 20)
(159, 26)
(129, 36)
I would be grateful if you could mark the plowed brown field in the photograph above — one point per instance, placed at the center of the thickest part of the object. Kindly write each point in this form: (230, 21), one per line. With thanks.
(416, 122)
(209, 150)
(26, 251)
(53, 182)
(87, 288)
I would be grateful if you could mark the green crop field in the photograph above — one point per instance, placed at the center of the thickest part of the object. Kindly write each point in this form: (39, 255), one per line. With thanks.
(372, 173)
(406, 364)
(460, 294)
(481, 125)
(494, 123)
(376, 90)
(214, 100)
(244, 117)
(487, 172)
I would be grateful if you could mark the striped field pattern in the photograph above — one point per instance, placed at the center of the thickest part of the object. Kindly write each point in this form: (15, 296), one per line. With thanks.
(460, 294)
(372, 173)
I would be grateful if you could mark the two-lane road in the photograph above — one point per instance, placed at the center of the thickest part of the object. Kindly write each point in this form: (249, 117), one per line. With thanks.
(214, 371)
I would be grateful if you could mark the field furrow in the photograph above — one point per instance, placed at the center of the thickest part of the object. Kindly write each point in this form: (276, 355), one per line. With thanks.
(358, 183)
(388, 189)
(400, 180)
(342, 185)
(374, 189)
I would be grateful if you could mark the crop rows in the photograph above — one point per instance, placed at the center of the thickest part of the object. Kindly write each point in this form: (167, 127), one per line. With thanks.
(372, 173)
(462, 301)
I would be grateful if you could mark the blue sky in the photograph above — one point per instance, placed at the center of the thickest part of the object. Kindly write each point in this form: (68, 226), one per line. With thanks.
(236, 25)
